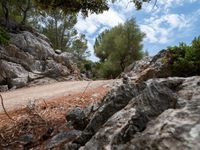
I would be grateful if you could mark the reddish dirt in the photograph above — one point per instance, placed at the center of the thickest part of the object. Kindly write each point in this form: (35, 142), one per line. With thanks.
(46, 113)
(57, 107)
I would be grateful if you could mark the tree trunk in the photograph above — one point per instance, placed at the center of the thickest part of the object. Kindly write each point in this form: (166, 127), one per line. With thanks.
(122, 64)
(4, 5)
(56, 25)
(62, 39)
(25, 12)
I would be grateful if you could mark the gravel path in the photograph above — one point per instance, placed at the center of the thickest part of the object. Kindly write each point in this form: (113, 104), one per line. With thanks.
(21, 97)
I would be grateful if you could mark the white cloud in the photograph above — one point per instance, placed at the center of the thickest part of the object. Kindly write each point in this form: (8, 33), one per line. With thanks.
(125, 5)
(160, 24)
(164, 6)
(161, 29)
(90, 48)
(94, 22)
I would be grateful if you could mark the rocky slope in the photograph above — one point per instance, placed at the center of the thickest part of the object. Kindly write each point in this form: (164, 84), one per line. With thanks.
(29, 57)
(145, 112)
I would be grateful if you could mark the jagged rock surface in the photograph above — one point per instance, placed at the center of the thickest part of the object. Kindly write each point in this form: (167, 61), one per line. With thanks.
(158, 66)
(175, 128)
(158, 114)
(29, 57)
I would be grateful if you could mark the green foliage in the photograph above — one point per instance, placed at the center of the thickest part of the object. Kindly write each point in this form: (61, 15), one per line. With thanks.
(84, 6)
(17, 11)
(59, 28)
(186, 59)
(4, 38)
(108, 70)
(138, 3)
(21, 10)
(79, 48)
(119, 47)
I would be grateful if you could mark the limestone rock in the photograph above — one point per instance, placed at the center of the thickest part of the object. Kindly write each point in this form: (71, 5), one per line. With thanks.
(13, 70)
(3, 88)
(175, 128)
(32, 44)
(150, 67)
(122, 126)
(18, 82)
(29, 57)
(80, 117)
(57, 51)
(158, 114)
(61, 138)
(77, 118)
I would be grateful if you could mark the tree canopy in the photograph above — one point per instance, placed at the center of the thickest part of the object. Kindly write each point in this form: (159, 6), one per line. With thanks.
(84, 6)
(119, 47)
(21, 8)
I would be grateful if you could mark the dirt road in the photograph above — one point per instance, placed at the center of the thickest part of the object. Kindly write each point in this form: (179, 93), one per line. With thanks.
(21, 97)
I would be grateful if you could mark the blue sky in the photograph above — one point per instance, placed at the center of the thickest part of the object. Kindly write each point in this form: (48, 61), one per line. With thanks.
(166, 24)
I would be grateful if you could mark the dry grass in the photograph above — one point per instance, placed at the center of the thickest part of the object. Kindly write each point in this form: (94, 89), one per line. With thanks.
(42, 119)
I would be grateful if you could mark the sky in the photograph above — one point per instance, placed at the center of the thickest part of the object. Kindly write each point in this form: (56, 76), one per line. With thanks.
(167, 23)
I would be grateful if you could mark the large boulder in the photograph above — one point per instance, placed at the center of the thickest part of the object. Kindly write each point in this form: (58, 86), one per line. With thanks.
(29, 57)
(174, 128)
(157, 114)
(34, 45)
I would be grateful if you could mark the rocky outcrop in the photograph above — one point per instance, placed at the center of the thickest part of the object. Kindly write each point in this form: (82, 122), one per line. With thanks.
(174, 128)
(158, 66)
(29, 57)
(157, 114)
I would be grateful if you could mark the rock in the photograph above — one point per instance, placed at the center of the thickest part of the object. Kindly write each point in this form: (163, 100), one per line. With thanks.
(34, 76)
(77, 118)
(18, 82)
(175, 128)
(139, 66)
(57, 51)
(12, 70)
(71, 146)
(14, 74)
(150, 67)
(53, 69)
(3, 88)
(158, 114)
(41, 81)
(124, 124)
(30, 55)
(61, 138)
(25, 139)
(32, 44)
(12, 53)
(64, 58)
(113, 102)
(80, 117)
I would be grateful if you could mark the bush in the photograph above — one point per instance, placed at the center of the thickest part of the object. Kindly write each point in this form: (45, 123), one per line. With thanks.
(4, 38)
(108, 70)
(186, 59)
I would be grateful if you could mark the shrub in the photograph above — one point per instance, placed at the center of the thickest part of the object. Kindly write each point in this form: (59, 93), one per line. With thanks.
(186, 59)
(4, 38)
(108, 70)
